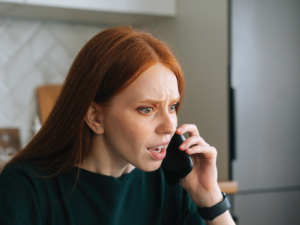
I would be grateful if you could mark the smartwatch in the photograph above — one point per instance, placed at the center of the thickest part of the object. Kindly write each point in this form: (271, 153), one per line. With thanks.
(210, 213)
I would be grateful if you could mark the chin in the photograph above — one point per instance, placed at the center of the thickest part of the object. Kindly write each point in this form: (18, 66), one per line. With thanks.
(151, 166)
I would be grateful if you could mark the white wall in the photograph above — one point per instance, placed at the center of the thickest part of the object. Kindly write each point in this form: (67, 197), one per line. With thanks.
(33, 53)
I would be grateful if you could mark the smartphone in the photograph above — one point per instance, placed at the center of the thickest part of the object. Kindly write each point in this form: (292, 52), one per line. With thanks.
(177, 164)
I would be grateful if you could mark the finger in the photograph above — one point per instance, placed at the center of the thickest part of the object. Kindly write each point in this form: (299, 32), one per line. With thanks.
(205, 150)
(190, 128)
(191, 141)
(204, 142)
(192, 131)
(196, 140)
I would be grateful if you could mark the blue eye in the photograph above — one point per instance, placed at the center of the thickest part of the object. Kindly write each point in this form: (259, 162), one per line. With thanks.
(146, 110)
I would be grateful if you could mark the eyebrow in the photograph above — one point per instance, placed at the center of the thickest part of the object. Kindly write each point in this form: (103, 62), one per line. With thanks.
(156, 102)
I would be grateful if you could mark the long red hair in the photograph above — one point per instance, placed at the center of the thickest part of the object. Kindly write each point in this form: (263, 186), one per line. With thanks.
(105, 66)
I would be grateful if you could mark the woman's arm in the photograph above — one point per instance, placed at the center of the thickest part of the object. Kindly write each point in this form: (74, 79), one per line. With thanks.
(201, 183)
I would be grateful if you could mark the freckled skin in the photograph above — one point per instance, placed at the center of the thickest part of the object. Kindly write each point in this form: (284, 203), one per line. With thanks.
(128, 131)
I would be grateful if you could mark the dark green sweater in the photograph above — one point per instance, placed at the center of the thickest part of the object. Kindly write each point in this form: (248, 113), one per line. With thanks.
(27, 196)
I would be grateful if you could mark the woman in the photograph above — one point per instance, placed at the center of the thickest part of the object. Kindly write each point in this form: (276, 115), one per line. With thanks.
(96, 159)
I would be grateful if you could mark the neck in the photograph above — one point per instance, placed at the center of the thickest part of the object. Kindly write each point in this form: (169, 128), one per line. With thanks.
(103, 161)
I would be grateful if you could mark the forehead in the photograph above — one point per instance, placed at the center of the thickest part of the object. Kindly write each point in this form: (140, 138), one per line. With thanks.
(156, 83)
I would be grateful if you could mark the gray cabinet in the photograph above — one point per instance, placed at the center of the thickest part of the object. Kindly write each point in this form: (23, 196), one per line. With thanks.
(266, 79)
(273, 208)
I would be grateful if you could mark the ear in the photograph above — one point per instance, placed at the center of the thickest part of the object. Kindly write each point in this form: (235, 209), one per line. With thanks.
(93, 119)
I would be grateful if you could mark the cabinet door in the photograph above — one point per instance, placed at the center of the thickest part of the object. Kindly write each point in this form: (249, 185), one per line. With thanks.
(153, 7)
(267, 208)
(8, 5)
(13, 1)
(265, 69)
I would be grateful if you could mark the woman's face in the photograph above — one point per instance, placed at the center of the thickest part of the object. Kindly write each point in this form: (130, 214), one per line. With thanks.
(140, 121)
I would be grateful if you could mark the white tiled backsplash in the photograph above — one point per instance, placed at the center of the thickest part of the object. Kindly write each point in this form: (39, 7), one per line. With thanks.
(33, 53)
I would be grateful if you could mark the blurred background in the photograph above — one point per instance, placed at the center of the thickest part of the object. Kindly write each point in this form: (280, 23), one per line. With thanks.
(241, 61)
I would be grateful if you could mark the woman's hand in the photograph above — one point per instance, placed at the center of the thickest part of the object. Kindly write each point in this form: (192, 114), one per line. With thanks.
(201, 183)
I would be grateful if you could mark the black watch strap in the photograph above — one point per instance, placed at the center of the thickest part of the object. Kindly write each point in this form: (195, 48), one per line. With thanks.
(216, 210)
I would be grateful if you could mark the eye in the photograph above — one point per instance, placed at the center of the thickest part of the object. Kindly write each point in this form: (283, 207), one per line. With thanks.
(173, 107)
(146, 110)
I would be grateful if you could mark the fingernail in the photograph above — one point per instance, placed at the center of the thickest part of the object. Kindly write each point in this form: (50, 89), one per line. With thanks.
(179, 129)
(182, 146)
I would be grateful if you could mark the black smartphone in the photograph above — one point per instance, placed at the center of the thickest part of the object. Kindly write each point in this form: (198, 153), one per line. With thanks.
(177, 164)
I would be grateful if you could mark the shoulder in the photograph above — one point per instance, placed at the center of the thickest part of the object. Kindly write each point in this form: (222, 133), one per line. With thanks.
(19, 183)
(22, 168)
(21, 174)
(24, 183)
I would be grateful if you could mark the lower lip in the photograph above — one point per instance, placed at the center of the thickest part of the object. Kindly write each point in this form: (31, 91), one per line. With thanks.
(158, 156)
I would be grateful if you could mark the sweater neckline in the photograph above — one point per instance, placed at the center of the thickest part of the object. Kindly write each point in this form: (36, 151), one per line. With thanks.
(90, 173)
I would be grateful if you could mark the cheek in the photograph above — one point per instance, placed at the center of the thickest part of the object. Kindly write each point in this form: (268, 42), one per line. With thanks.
(136, 133)
(130, 130)
(174, 120)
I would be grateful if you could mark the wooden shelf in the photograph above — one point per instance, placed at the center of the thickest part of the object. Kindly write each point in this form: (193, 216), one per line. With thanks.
(47, 96)
(229, 187)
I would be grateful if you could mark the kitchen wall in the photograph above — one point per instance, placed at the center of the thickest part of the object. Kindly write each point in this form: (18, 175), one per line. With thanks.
(33, 53)
(198, 36)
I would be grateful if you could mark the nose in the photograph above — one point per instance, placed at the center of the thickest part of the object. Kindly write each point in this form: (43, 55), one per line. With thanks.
(167, 123)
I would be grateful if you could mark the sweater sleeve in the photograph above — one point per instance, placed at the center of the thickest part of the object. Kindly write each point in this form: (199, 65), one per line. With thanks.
(18, 198)
(190, 215)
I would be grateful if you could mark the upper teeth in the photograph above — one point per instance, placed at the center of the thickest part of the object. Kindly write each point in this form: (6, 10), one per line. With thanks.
(159, 149)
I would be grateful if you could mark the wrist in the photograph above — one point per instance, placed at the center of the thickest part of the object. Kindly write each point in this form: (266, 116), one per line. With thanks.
(212, 198)
(203, 198)
(210, 213)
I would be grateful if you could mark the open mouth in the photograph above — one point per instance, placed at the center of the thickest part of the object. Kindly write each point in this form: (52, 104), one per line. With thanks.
(158, 153)
(156, 150)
